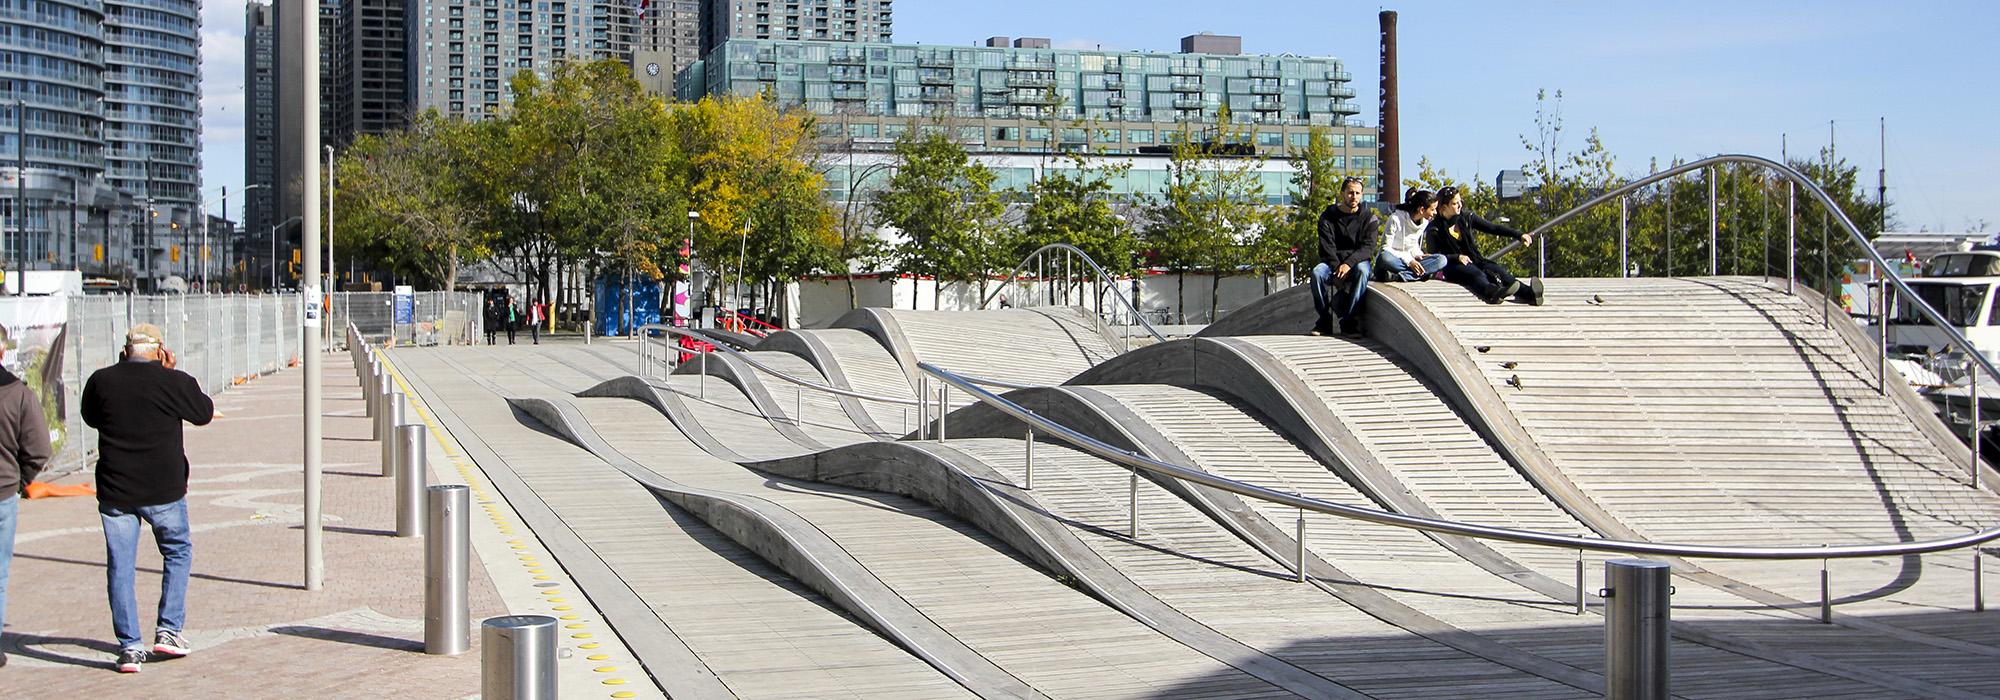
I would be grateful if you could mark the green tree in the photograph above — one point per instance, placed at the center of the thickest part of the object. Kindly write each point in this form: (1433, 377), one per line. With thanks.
(1212, 212)
(1318, 170)
(404, 198)
(943, 202)
(1074, 205)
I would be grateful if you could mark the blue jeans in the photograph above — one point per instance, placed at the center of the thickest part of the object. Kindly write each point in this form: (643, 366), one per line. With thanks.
(10, 509)
(1324, 289)
(121, 550)
(1400, 271)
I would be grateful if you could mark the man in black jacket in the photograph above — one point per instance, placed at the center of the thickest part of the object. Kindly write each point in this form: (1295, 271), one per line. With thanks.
(1346, 253)
(137, 407)
(24, 450)
(1451, 235)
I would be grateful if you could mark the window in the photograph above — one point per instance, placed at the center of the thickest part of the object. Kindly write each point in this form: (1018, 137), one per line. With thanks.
(1107, 135)
(1363, 141)
(1139, 136)
(1270, 138)
(1300, 140)
(1038, 133)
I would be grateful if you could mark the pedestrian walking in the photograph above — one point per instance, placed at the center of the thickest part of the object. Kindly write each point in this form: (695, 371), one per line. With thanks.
(493, 318)
(24, 450)
(536, 317)
(137, 407)
(513, 320)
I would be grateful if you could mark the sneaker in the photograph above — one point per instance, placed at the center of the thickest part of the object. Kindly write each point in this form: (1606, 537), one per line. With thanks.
(170, 644)
(1535, 289)
(129, 660)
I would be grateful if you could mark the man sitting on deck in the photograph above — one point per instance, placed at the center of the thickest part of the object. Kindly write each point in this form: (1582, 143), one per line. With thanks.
(1347, 234)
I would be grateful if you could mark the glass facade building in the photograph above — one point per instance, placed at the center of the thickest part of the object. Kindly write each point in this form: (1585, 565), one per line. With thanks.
(152, 104)
(52, 59)
(1004, 99)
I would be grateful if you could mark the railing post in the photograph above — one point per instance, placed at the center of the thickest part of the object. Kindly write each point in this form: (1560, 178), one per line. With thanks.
(1791, 237)
(411, 474)
(1714, 253)
(447, 615)
(944, 407)
(1133, 526)
(1300, 562)
(1978, 580)
(1541, 256)
(1825, 593)
(1638, 608)
(1028, 459)
(923, 406)
(798, 405)
(517, 658)
(1972, 378)
(701, 377)
(1624, 204)
(1580, 603)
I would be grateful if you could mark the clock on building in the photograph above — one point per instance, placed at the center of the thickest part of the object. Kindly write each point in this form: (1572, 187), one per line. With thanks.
(652, 69)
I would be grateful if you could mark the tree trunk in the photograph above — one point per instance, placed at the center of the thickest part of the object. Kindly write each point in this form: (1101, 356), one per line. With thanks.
(451, 271)
(1180, 297)
(1214, 294)
(853, 298)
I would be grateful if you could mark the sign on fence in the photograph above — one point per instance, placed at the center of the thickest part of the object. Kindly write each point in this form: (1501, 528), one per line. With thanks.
(35, 340)
(406, 305)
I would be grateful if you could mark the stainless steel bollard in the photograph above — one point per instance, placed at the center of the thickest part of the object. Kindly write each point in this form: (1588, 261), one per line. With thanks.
(369, 385)
(517, 658)
(384, 388)
(447, 615)
(390, 416)
(411, 474)
(1637, 609)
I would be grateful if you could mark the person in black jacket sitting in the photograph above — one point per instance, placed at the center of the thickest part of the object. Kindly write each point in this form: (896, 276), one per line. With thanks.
(1346, 258)
(1451, 234)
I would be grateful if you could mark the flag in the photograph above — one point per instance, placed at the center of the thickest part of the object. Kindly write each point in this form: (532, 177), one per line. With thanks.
(644, 5)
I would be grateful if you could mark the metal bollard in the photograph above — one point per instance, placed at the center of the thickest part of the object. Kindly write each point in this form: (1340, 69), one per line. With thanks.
(369, 385)
(447, 615)
(1637, 609)
(517, 658)
(411, 474)
(384, 388)
(390, 416)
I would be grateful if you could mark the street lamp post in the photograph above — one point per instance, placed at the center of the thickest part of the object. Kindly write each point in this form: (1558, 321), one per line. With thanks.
(274, 248)
(20, 191)
(687, 264)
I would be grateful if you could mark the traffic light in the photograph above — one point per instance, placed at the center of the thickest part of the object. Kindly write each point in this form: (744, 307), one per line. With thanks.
(97, 252)
(174, 253)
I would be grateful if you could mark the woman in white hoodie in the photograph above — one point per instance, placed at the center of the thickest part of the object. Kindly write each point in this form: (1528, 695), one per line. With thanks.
(1402, 258)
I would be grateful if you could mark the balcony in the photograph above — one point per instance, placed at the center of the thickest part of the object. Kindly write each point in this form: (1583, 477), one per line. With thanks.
(1340, 91)
(1114, 102)
(928, 78)
(1345, 108)
(938, 96)
(1030, 82)
(1187, 103)
(1186, 86)
(1270, 73)
(848, 59)
(935, 62)
(1031, 98)
(1266, 87)
(1340, 75)
(1267, 105)
(1183, 70)
(843, 76)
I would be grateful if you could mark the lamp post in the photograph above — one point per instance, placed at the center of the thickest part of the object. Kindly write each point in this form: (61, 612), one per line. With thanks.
(20, 191)
(202, 213)
(274, 248)
(687, 265)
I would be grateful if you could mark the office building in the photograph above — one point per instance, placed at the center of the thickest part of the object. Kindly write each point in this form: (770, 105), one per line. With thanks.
(668, 40)
(1019, 97)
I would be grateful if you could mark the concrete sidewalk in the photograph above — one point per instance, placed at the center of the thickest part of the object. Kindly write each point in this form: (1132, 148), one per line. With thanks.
(256, 631)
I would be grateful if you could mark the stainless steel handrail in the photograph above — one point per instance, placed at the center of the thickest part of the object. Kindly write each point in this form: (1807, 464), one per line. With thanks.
(1101, 275)
(1905, 293)
(1140, 462)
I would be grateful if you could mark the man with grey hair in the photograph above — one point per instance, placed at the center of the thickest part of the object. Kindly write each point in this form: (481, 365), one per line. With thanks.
(24, 450)
(137, 407)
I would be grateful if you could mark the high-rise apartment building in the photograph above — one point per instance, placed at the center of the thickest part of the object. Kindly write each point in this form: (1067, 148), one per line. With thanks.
(260, 119)
(668, 39)
(864, 21)
(152, 114)
(369, 86)
(464, 52)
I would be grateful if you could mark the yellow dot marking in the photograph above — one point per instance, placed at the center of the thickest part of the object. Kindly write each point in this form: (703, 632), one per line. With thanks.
(537, 571)
(551, 592)
(624, 694)
(562, 607)
(614, 681)
(558, 600)
(606, 669)
(568, 617)
(581, 635)
(576, 626)
(598, 657)
(590, 645)
(541, 578)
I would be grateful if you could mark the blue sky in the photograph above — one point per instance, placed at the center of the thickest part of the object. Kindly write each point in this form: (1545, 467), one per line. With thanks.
(1662, 80)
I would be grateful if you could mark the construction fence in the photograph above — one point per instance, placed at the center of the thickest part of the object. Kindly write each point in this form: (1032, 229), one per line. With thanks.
(221, 340)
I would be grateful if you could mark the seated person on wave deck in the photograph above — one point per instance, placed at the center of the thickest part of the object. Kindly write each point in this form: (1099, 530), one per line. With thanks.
(1346, 254)
(1451, 234)
(1402, 258)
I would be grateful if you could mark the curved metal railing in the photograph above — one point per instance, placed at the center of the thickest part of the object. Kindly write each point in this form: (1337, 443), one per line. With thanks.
(1140, 462)
(1905, 293)
(1072, 254)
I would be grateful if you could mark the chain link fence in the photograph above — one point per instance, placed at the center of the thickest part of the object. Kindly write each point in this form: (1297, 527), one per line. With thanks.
(437, 318)
(225, 340)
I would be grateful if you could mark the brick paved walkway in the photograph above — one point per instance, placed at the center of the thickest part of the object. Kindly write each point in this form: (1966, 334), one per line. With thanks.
(256, 631)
